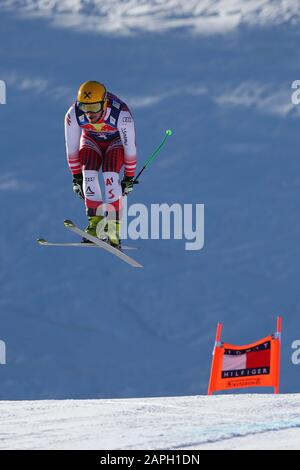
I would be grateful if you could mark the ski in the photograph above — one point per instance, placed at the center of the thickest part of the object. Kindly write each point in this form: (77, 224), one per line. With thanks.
(43, 242)
(71, 226)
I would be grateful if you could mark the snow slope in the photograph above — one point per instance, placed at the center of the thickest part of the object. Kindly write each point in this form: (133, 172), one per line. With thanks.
(81, 325)
(231, 422)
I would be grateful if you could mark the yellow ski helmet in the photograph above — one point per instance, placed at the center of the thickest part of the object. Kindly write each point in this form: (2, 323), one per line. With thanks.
(92, 96)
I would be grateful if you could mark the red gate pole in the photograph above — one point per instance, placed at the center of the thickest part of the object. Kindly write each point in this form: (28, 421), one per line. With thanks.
(278, 337)
(217, 344)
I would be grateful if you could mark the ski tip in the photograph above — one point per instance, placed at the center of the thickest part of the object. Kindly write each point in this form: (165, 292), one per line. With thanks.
(41, 241)
(136, 265)
(68, 223)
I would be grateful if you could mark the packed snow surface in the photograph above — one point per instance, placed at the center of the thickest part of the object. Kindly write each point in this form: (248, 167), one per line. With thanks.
(195, 422)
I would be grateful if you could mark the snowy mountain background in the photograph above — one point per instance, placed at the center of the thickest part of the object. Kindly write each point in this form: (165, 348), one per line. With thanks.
(80, 324)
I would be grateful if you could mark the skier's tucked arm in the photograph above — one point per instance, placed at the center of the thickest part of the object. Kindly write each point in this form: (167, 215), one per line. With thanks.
(72, 136)
(127, 133)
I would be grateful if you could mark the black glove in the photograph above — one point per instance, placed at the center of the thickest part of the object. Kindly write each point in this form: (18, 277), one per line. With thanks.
(127, 184)
(77, 185)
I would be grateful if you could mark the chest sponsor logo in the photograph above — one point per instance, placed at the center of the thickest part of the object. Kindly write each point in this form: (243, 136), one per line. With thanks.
(102, 127)
(116, 104)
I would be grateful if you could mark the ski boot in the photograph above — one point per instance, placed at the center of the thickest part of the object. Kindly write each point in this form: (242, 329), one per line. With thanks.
(113, 233)
(91, 229)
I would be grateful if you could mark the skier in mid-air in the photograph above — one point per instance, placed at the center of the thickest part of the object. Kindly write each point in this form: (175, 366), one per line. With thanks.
(100, 133)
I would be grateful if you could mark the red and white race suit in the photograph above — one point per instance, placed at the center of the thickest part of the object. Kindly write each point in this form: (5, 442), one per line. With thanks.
(108, 145)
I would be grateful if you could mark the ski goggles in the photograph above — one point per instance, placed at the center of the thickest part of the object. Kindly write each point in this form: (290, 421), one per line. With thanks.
(91, 107)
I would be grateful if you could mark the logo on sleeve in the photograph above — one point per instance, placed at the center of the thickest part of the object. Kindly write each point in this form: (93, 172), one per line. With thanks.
(124, 132)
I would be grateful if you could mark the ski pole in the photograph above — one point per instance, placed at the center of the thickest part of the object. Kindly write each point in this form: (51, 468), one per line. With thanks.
(153, 155)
